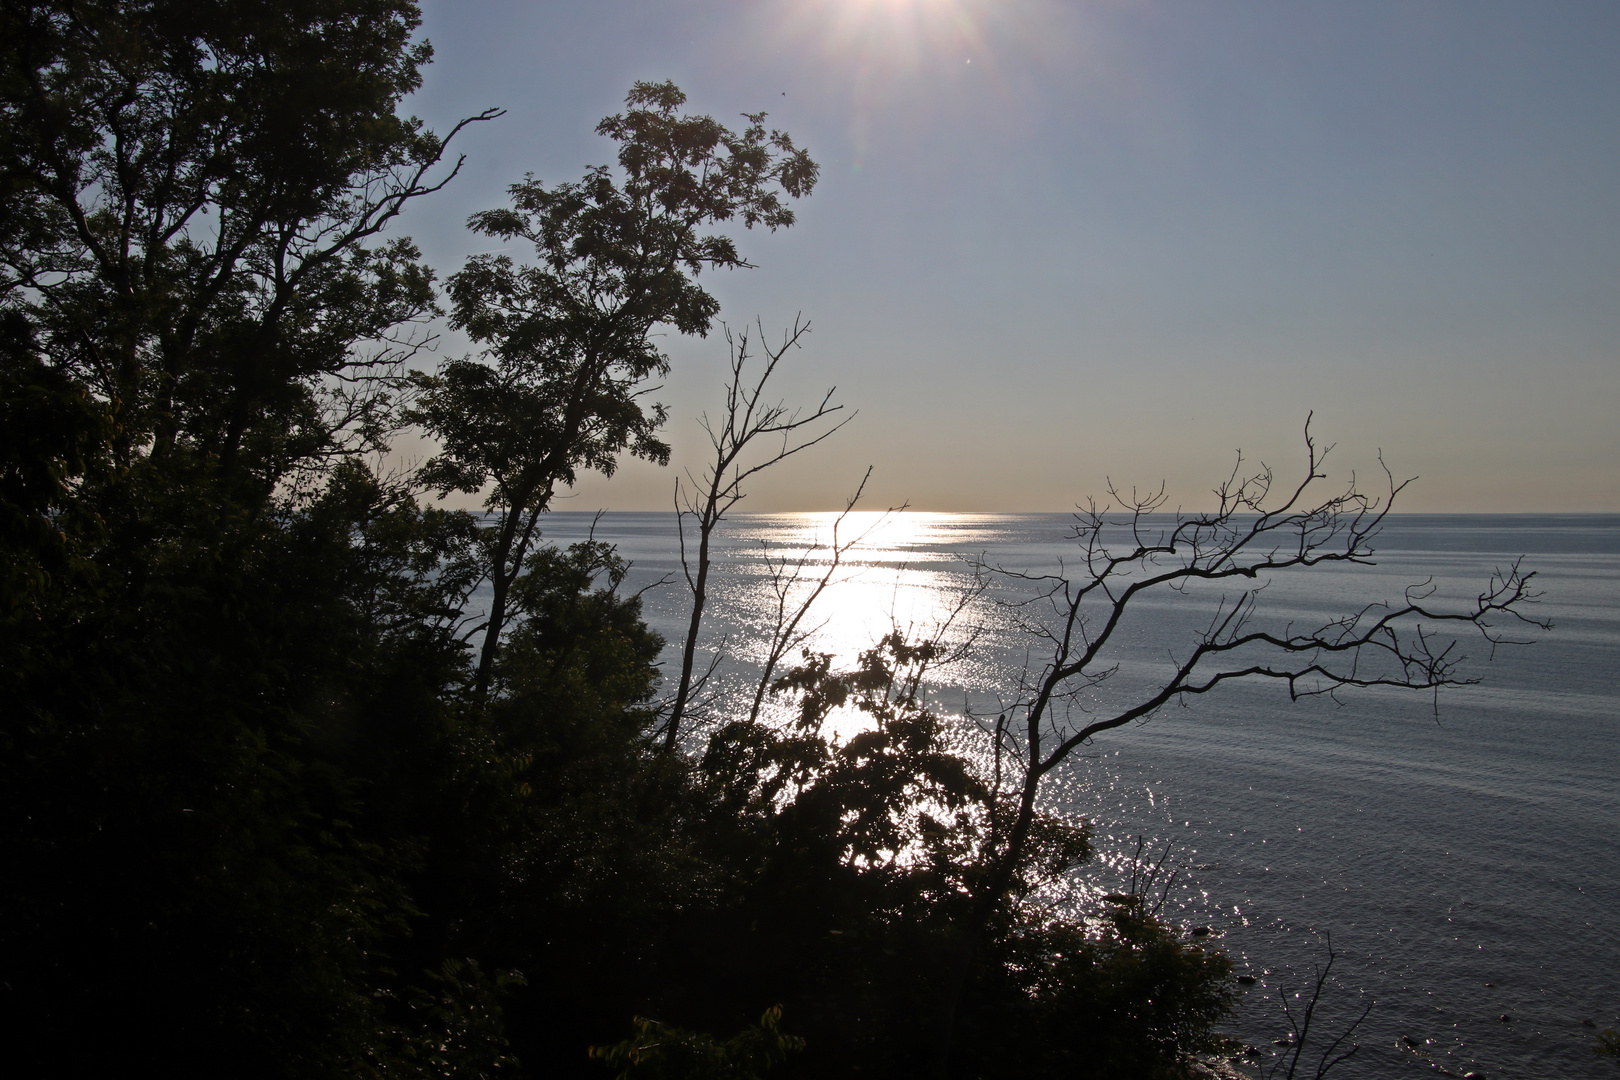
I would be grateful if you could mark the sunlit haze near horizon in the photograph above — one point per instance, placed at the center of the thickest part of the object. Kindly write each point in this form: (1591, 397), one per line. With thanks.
(1055, 244)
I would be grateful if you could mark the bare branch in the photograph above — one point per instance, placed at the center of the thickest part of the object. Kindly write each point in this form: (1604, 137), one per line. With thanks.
(749, 419)
(786, 635)
(1130, 555)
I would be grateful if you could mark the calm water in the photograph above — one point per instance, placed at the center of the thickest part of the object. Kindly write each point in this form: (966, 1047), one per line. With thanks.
(1466, 865)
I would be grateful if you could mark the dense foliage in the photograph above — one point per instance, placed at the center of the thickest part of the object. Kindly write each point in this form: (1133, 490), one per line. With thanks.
(263, 810)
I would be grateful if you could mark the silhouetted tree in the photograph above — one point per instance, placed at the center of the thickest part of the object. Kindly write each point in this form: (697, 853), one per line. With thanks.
(218, 636)
(568, 338)
(193, 192)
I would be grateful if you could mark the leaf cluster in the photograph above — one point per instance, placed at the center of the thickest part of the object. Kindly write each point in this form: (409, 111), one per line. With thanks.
(666, 1052)
(569, 335)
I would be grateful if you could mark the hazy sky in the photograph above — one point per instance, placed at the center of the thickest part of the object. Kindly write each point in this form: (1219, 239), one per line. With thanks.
(1057, 242)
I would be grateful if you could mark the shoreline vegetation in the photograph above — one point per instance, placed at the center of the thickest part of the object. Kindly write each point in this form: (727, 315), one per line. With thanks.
(280, 801)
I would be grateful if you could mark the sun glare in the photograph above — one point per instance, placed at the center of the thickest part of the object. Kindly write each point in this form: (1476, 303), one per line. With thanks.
(906, 65)
(877, 40)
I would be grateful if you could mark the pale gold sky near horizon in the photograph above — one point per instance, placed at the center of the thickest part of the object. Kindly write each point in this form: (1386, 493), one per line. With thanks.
(1056, 243)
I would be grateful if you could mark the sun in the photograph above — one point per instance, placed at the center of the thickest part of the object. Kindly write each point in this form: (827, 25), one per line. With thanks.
(893, 36)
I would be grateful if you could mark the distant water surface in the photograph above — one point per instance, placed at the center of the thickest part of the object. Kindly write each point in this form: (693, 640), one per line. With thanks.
(1466, 865)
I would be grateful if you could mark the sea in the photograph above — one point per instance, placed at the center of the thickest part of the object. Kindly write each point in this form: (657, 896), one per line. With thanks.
(1455, 856)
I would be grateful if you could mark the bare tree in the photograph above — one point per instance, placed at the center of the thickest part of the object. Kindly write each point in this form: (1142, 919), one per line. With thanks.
(1146, 879)
(1299, 1030)
(749, 418)
(1129, 558)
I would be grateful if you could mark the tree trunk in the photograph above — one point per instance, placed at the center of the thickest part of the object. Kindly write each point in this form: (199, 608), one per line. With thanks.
(492, 632)
(501, 579)
(699, 596)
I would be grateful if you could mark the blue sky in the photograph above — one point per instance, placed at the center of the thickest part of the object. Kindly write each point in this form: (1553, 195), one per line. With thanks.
(1058, 243)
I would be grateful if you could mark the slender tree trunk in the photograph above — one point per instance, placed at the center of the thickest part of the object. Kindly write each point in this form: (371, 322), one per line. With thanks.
(492, 633)
(688, 653)
(510, 548)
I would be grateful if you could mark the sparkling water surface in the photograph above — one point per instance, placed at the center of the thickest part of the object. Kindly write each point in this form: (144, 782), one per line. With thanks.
(1465, 863)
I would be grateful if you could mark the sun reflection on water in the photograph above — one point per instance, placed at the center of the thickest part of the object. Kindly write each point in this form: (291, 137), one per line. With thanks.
(899, 577)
